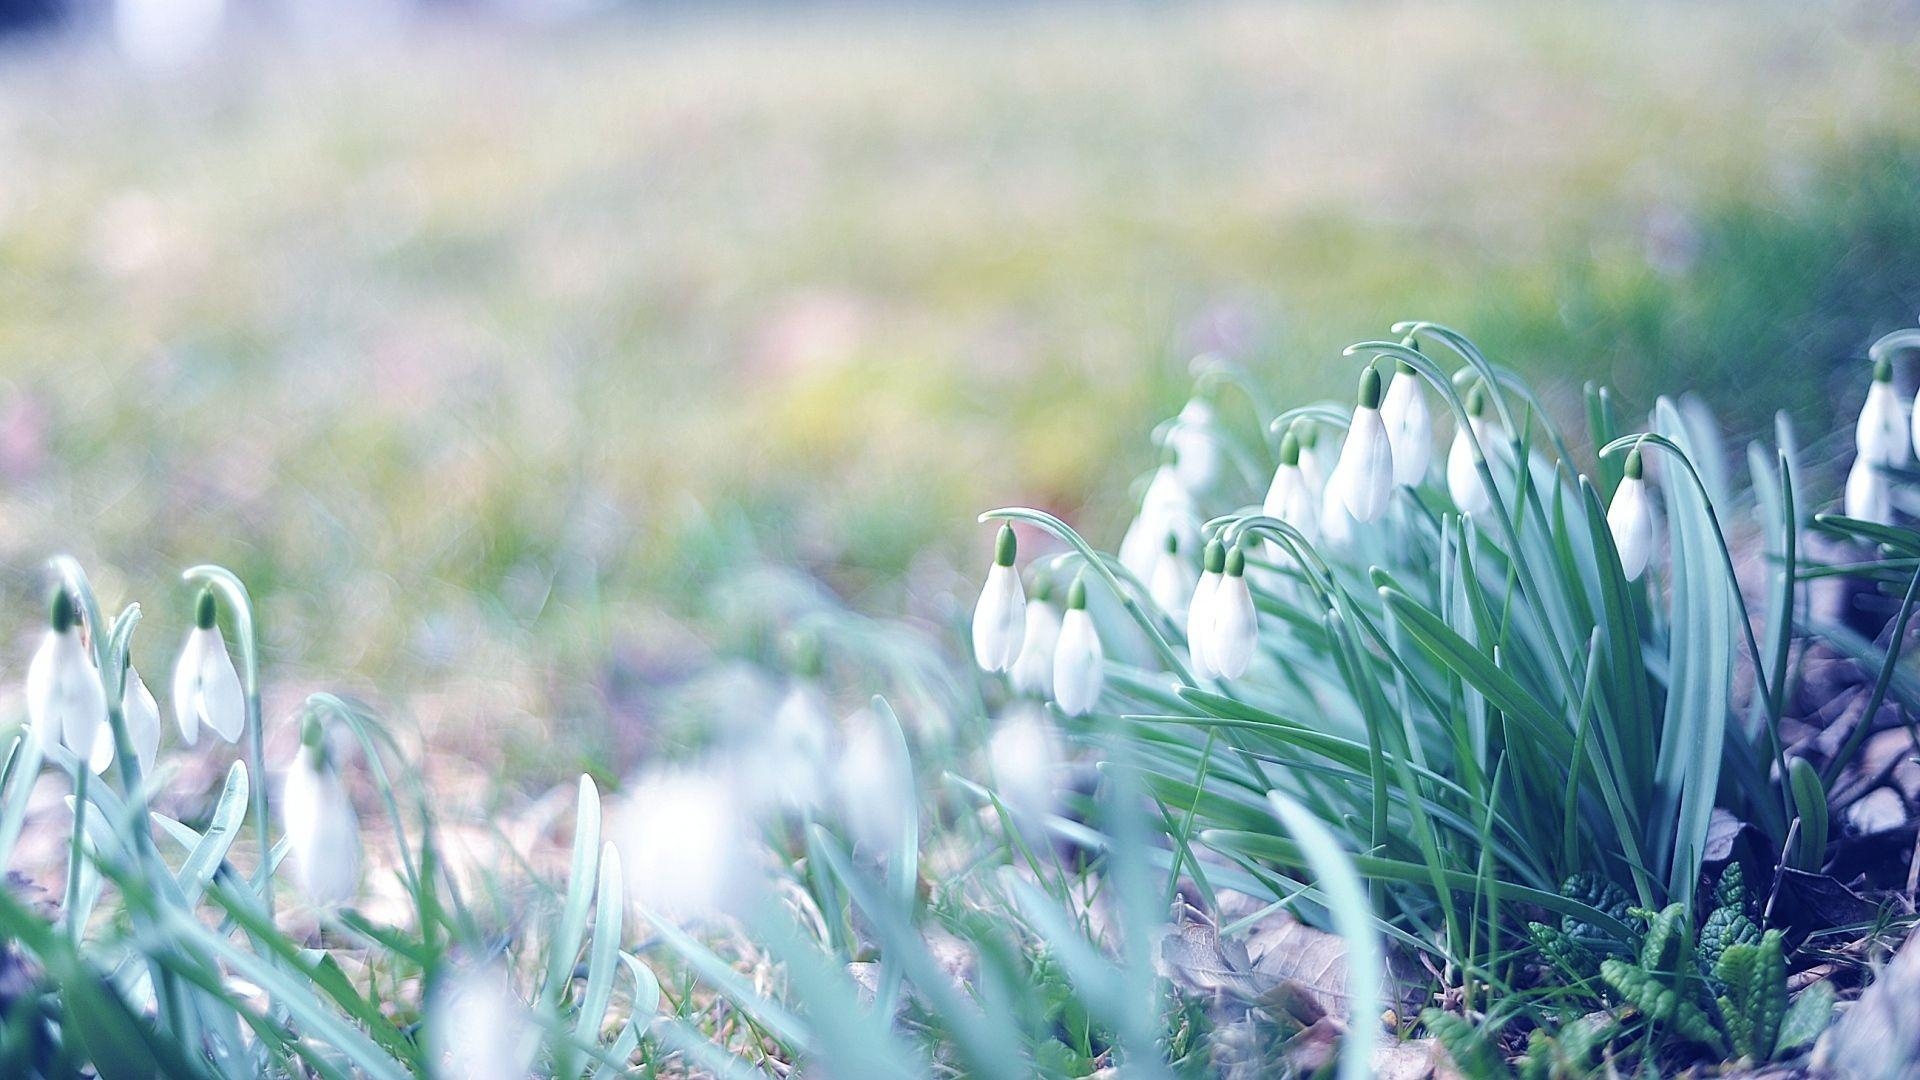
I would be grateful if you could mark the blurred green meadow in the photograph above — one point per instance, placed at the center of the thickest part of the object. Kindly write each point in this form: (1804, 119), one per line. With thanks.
(493, 357)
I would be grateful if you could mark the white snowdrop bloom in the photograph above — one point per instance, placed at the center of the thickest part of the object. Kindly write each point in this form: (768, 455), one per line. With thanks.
(1364, 476)
(206, 687)
(1196, 452)
(1409, 423)
(1200, 611)
(1318, 457)
(684, 842)
(1033, 669)
(1336, 521)
(1173, 579)
(478, 1028)
(1167, 507)
(323, 832)
(1024, 757)
(1630, 518)
(791, 758)
(142, 716)
(1882, 435)
(874, 783)
(1236, 626)
(1078, 661)
(1290, 498)
(1464, 482)
(1869, 493)
(65, 702)
(1000, 617)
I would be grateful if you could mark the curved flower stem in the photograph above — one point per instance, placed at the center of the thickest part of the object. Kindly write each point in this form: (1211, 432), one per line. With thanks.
(76, 854)
(1894, 342)
(235, 593)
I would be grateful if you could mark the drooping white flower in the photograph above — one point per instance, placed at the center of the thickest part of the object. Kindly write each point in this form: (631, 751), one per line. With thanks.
(1869, 493)
(65, 701)
(1236, 625)
(1024, 758)
(142, 716)
(1200, 611)
(1630, 519)
(1882, 434)
(1364, 476)
(206, 687)
(789, 761)
(1000, 617)
(1318, 457)
(1409, 423)
(1167, 507)
(1196, 451)
(874, 782)
(1079, 663)
(684, 843)
(1464, 483)
(323, 832)
(1336, 521)
(478, 1028)
(1173, 579)
(1033, 669)
(1290, 497)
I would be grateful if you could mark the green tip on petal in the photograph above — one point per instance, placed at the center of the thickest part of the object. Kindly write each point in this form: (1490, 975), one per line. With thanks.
(1173, 543)
(1216, 557)
(1043, 587)
(1634, 466)
(1370, 388)
(1883, 370)
(1077, 594)
(804, 647)
(1404, 368)
(310, 733)
(203, 610)
(1289, 447)
(1477, 400)
(62, 615)
(1005, 546)
(1236, 562)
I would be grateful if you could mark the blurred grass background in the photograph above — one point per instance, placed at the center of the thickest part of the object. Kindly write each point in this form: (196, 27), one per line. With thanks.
(483, 351)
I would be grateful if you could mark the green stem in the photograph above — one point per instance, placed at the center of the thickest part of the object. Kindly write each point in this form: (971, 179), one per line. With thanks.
(76, 857)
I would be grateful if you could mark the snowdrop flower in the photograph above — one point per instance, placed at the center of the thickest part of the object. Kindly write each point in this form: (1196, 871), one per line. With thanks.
(1869, 493)
(65, 701)
(1033, 668)
(1236, 626)
(1630, 518)
(323, 833)
(1364, 476)
(1463, 477)
(1882, 435)
(1336, 521)
(1167, 507)
(478, 1028)
(1317, 458)
(142, 716)
(875, 783)
(1171, 585)
(1023, 757)
(1196, 454)
(206, 688)
(1409, 424)
(684, 844)
(1200, 611)
(1290, 498)
(1000, 618)
(791, 758)
(1078, 661)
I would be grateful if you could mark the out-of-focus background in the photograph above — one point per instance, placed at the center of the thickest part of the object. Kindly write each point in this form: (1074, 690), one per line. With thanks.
(496, 345)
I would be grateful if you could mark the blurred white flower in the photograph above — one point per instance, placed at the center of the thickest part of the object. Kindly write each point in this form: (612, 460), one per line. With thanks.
(65, 701)
(1290, 498)
(1000, 617)
(791, 759)
(142, 716)
(1336, 521)
(1364, 476)
(874, 782)
(323, 832)
(1409, 424)
(1630, 518)
(162, 35)
(1464, 483)
(1196, 453)
(1167, 507)
(1869, 493)
(1033, 668)
(1236, 625)
(1024, 757)
(1882, 434)
(1200, 611)
(1171, 584)
(478, 1028)
(206, 688)
(685, 844)
(1078, 661)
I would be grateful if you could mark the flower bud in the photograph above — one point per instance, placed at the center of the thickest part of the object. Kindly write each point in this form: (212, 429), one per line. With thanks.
(1078, 661)
(1000, 616)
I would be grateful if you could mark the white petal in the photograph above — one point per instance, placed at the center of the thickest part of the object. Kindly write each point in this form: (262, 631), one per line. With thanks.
(1365, 473)
(323, 834)
(1290, 499)
(1869, 496)
(790, 759)
(1336, 523)
(1167, 507)
(1236, 628)
(1409, 424)
(875, 784)
(223, 705)
(1024, 758)
(1078, 665)
(142, 716)
(1631, 522)
(479, 1029)
(1200, 626)
(999, 619)
(1882, 434)
(1172, 583)
(1033, 668)
(684, 844)
(186, 686)
(65, 701)
(1197, 455)
(1916, 424)
(1464, 483)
